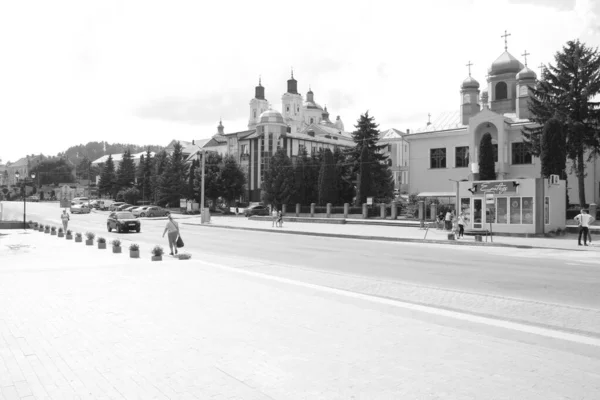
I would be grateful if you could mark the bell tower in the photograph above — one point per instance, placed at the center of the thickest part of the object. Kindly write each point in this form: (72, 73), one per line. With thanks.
(469, 94)
(292, 105)
(258, 104)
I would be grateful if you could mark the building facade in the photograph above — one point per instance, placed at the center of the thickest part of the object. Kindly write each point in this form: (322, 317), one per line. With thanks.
(398, 150)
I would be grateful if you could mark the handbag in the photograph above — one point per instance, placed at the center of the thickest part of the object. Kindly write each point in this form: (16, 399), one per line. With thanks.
(179, 241)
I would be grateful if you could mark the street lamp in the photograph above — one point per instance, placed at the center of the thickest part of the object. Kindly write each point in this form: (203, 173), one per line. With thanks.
(23, 186)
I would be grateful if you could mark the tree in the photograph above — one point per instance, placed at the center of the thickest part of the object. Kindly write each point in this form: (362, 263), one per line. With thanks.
(191, 178)
(232, 179)
(366, 136)
(487, 165)
(327, 179)
(343, 177)
(365, 183)
(566, 92)
(108, 178)
(84, 168)
(173, 180)
(278, 183)
(212, 172)
(144, 173)
(126, 171)
(159, 163)
(553, 154)
(130, 195)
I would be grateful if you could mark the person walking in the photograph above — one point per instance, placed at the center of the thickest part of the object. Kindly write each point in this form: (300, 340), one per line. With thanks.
(280, 219)
(584, 220)
(461, 225)
(173, 232)
(65, 219)
(274, 216)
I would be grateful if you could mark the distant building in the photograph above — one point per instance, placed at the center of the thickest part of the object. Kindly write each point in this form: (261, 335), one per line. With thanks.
(117, 157)
(398, 151)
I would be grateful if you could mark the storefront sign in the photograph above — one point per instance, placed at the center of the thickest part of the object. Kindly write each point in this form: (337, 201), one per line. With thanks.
(489, 198)
(495, 187)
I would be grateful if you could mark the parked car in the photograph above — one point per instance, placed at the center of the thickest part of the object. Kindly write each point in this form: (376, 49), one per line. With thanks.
(97, 204)
(123, 206)
(80, 209)
(130, 209)
(257, 209)
(123, 221)
(80, 200)
(113, 206)
(137, 211)
(154, 211)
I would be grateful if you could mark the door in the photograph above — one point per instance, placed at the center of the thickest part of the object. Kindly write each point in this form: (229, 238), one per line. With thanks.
(477, 213)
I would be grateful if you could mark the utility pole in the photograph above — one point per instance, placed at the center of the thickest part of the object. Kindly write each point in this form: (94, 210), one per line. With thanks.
(202, 218)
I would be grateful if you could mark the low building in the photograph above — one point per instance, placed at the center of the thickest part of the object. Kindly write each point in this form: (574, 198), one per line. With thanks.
(398, 151)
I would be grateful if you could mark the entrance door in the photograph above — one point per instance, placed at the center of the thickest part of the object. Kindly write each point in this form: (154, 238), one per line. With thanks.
(477, 213)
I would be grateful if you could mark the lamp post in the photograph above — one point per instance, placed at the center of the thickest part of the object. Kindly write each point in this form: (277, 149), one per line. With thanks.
(23, 187)
(202, 216)
(456, 206)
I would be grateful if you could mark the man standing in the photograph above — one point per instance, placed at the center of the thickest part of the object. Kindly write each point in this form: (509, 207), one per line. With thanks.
(274, 216)
(65, 219)
(448, 221)
(173, 229)
(584, 220)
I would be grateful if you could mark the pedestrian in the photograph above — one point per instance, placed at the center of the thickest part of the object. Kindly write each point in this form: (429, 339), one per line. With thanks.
(274, 215)
(65, 219)
(461, 225)
(584, 220)
(173, 232)
(280, 219)
(237, 209)
(448, 220)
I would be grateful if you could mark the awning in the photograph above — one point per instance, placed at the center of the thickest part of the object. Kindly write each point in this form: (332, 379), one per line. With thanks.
(437, 194)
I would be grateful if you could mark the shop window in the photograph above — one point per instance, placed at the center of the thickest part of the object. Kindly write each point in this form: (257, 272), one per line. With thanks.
(437, 158)
(515, 210)
(461, 157)
(520, 153)
(501, 91)
(527, 210)
(465, 208)
(502, 210)
(547, 210)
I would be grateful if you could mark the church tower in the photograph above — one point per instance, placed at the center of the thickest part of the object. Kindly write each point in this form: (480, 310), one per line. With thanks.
(258, 105)
(502, 81)
(292, 105)
(525, 79)
(469, 94)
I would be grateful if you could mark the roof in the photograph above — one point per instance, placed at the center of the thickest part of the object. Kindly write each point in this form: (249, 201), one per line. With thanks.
(506, 63)
(437, 194)
(391, 134)
(443, 121)
(119, 156)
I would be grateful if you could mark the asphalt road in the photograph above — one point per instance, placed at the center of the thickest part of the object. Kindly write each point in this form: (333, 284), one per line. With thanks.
(501, 272)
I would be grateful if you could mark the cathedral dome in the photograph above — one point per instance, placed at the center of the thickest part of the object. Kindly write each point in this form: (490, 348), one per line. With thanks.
(506, 63)
(271, 116)
(312, 105)
(526, 73)
(470, 83)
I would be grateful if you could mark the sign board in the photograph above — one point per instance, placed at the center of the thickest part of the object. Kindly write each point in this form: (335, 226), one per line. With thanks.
(369, 201)
(495, 187)
(489, 198)
(182, 203)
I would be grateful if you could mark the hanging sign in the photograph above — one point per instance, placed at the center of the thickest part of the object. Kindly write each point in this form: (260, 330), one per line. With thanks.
(495, 187)
(489, 198)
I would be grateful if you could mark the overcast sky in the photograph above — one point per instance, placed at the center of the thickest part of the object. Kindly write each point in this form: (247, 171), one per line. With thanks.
(147, 72)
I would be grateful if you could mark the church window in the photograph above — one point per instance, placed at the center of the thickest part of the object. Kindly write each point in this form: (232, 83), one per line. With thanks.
(312, 120)
(520, 153)
(461, 159)
(254, 113)
(437, 158)
(287, 108)
(501, 91)
(466, 99)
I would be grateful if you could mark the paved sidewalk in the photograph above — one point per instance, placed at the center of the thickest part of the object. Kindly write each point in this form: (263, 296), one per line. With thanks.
(567, 242)
(81, 323)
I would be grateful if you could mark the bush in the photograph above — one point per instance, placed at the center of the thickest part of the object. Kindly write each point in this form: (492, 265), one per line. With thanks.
(116, 243)
(157, 251)
(53, 229)
(90, 235)
(101, 240)
(47, 227)
(134, 247)
(78, 235)
(60, 230)
(69, 232)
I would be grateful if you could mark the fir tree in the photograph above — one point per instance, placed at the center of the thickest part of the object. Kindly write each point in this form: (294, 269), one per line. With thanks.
(108, 178)
(232, 179)
(212, 170)
(278, 183)
(566, 92)
(343, 177)
(365, 183)
(126, 171)
(191, 177)
(159, 164)
(327, 177)
(487, 166)
(173, 181)
(553, 155)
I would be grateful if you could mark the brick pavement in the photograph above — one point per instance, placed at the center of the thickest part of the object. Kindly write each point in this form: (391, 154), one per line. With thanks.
(81, 323)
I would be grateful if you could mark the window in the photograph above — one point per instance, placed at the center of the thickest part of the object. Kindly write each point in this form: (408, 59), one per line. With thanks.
(527, 210)
(466, 99)
(501, 91)
(437, 158)
(515, 210)
(501, 206)
(312, 120)
(520, 154)
(254, 113)
(461, 157)
(287, 108)
(244, 149)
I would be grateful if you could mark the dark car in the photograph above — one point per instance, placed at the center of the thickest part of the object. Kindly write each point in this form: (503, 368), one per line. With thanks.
(258, 209)
(123, 221)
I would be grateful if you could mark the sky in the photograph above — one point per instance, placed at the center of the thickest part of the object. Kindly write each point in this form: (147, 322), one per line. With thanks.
(147, 72)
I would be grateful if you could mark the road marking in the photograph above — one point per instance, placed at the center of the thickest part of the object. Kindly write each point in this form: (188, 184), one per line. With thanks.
(551, 333)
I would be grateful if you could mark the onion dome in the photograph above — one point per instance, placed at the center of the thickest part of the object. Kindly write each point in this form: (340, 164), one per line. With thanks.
(505, 64)
(310, 101)
(271, 116)
(526, 73)
(470, 83)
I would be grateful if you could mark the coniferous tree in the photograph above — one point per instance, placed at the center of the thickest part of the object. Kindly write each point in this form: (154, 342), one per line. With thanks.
(327, 180)
(191, 177)
(365, 182)
(553, 154)
(144, 179)
(126, 171)
(159, 164)
(566, 92)
(108, 178)
(487, 166)
(278, 184)
(343, 177)
(173, 181)
(232, 179)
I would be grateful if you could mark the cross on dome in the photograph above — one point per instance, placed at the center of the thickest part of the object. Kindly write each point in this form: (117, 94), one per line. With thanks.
(541, 67)
(525, 55)
(469, 65)
(505, 36)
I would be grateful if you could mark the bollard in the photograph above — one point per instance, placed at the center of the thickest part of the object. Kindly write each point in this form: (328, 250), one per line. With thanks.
(478, 238)
(297, 209)
(312, 210)
(382, 212)
(365, 212)
(394, 210)
(346, 209)
(422, 213)
(283, 209)
(328, 210)
(451, 236)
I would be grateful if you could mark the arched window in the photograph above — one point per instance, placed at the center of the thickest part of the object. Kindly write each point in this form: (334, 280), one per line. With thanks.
(501, 91)
(312, 120)
(466, 99)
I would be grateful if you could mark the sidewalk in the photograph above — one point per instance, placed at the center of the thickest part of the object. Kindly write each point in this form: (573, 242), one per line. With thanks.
(395, 233)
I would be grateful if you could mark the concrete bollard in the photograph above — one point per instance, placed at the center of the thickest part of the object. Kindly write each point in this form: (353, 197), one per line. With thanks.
(328, 210)
(283, 209)
(478, 238)
(382, 211)
(312, 210)
(394, 210)
(451, 236)
(365, 212)
(297, 209)
(421, 213)
(346, 210)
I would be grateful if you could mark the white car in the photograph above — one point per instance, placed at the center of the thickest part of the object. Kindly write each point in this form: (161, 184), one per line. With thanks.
(80, 209)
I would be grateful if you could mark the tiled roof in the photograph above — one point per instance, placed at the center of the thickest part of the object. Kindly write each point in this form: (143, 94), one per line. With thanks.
(444, 121)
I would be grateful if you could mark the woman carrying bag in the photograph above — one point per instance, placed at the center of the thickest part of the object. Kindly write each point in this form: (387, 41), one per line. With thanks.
(173, 234)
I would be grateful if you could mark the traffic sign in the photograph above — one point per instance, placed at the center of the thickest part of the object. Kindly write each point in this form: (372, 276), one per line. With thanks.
(489, 198)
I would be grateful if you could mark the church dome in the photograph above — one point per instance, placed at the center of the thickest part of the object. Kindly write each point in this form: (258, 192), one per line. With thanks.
(470, 83)
(505, 64)
(312, 105)
(271, 116)
(526, 73)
